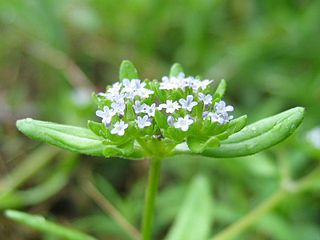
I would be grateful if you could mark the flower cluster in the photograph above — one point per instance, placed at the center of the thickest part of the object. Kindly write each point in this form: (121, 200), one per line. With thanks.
(142, 105)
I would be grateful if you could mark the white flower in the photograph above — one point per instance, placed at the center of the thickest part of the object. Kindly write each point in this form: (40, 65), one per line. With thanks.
(130, 95)
(170, 120)
(187, 103)
(138, 107)
(150, 110)
(115, 89)
(119, 128)
(143, 121)
(118, 107)
(205, 114)
(143, 92)
(221, 107)
(166, 83)
(313, 136)
(102, 94)
(196, 84)
(206, 99)
(204, 84)
(220, 117)
(127, 86)
(169, 83)
(183, 123)
(115, 97)
(189, 81)
(170, 106)
(136, 84)
(180, 81)
(135, 87)
(214, 117)
(106, 115)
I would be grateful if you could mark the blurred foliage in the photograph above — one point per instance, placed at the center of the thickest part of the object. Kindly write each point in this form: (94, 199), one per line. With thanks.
(54, 53)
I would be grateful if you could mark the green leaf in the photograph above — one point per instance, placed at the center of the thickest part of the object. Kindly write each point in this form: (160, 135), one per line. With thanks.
(255, 137)
(196, 213)
(197, 145)
(234, 126)
(41, 224)
(120, 151)
(76, 139)
(161, 120)
(95, 127)
(128, 70)
(175, 70)
(221, 89)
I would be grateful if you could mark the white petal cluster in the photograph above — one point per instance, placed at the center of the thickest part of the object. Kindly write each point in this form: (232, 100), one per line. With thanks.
(182, 82)
(185, 97)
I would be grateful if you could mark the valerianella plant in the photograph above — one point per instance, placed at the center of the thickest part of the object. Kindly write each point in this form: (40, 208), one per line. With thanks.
(155, 119)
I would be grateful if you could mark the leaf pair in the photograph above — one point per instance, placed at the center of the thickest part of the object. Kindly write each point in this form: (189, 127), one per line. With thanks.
(252, 139)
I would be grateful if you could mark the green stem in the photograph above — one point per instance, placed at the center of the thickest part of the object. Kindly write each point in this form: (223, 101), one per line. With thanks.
(250, 218)
(151, 192)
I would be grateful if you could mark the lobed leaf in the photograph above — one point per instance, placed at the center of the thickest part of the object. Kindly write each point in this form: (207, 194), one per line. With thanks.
(256, 137)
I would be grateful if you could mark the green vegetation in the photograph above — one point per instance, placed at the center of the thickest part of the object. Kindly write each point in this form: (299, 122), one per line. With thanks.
(54, 54)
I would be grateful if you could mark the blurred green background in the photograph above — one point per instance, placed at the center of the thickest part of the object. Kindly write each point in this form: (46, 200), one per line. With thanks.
(55, 53)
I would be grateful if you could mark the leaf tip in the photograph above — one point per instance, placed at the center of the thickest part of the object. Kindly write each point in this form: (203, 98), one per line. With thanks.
(128, 70)
(176, 69)
(23, 123)
(12, 214)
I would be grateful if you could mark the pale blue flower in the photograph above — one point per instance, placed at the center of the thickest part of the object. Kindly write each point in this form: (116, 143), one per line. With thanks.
(170, 106)
(221, 107)
(106, 115)
(119, 128)
(143, 122)
(170, 120)
(150, 110)
(183, 123)
(214, 117)
(206, 99)
(188, 103)
(119, 107)
(138, 107)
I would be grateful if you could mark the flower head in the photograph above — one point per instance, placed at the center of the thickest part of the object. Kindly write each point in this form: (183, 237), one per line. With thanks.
(161, 110)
